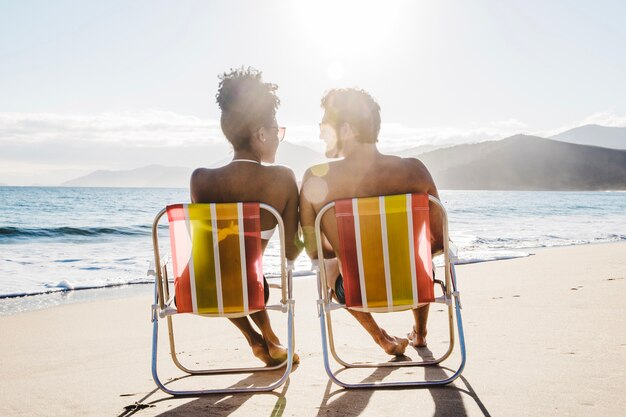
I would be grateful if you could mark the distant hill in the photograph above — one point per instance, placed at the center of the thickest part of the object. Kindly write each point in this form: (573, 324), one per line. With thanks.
(527, 163)
(416, 151)
(516, 163)
(297, 157)
(149, 176)
(594, 135)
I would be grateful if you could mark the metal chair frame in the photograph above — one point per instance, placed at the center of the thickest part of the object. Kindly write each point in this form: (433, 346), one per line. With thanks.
(161, 309)
(326, 306)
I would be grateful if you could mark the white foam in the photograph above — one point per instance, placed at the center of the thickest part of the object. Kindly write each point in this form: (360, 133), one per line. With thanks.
(64, 285)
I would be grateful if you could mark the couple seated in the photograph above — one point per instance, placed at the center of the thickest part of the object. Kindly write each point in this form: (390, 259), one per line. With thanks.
(217, 247)
(349, 128)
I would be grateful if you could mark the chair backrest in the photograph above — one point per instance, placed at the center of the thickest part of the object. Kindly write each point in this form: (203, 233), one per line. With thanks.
(385, 252)
(217, 258)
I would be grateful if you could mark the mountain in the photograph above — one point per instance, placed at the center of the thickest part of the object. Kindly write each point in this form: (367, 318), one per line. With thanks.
(516, 163)
(594, 135)
(527, 163)
(297, 157)
(149, 176)
(416, 151)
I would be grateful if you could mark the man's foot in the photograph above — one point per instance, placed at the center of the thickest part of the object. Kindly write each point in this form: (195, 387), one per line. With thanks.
(415, 339)
(392, 345)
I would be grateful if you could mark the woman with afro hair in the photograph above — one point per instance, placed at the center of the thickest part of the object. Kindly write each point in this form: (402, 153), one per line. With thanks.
(248, 121)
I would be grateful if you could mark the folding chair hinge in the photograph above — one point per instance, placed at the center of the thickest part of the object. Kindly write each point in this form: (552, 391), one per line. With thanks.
(326, 307)
(151, 271)
(284, 306)
(443, 300)
(315, 265)
(292, 303)
(154, 312)
(458, 298)
(167, 311)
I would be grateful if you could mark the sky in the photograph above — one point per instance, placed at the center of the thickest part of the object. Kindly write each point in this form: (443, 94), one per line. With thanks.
(88, 85)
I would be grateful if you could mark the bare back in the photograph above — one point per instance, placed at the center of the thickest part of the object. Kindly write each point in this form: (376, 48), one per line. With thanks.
(245, 181)
(363, 176)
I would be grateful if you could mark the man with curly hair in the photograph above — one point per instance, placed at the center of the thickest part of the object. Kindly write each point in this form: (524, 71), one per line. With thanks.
(350, 128)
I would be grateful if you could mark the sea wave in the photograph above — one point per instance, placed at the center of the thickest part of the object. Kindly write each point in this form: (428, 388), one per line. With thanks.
(10, 232)
(66, 286)
(544, 241)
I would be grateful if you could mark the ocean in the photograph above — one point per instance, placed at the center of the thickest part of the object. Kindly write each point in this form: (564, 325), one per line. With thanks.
(57, 240)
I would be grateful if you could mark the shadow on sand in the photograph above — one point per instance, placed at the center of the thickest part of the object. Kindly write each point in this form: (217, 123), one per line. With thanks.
(448, 399)
(217, 404)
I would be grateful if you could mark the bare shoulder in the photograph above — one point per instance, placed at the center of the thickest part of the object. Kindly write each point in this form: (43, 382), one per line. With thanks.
(324, 172)
(405, 166)
(199, 176)
(282, 173)
(414, 164)
(325, 169)
(419, 174)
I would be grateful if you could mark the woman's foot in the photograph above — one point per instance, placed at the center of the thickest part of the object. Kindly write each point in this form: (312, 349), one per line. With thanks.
(279, 353)
(260, 350)
(416, 339)
(392, 345)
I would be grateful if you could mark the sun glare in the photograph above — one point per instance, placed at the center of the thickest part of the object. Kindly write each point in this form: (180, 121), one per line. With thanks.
(347, 26)
(335, 71)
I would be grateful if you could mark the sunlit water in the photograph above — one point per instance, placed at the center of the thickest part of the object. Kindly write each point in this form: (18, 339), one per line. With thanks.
(58, 239)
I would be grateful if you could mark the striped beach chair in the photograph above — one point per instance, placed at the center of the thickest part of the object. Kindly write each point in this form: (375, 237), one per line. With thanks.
(385, 249)
(217, 264)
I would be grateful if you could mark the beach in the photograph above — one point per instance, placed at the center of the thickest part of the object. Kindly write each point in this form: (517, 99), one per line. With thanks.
(544, 334)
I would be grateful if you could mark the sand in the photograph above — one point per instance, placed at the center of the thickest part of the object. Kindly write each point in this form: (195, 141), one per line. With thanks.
(545, 335)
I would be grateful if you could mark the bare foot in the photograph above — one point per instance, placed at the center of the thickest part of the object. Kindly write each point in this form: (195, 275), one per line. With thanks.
(259, 349)
(279, 353)
(393, 345)
(417, 340)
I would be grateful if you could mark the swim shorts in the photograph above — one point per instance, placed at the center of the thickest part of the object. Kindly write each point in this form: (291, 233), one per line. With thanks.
(341, 295)
(266, 290)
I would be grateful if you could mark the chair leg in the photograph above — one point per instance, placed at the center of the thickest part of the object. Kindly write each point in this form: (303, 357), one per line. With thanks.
(281, 381)
(416, 384)
(183, 368)
(328, 344)
(346, 364)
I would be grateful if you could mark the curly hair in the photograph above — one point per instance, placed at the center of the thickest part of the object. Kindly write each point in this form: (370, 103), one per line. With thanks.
(355, 107)
(247, 103)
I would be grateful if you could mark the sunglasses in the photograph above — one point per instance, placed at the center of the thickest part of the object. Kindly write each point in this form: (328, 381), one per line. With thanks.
(281, 133)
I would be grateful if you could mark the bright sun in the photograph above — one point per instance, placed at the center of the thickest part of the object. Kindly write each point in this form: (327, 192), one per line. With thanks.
(347, 27)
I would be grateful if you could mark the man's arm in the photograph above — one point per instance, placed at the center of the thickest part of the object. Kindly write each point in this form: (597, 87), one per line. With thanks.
(427, 184)
(307, 217)
(293, 245)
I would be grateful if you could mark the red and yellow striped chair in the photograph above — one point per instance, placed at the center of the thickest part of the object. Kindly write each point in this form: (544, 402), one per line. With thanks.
(387, 266)
(218, 272)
